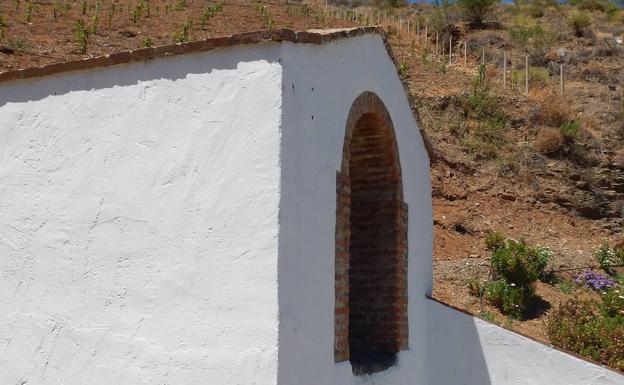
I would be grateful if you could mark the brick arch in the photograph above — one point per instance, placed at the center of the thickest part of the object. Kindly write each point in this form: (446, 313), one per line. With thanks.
(370, 321)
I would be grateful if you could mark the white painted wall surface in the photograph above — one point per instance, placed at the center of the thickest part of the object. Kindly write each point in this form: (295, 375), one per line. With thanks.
(464, 350)
(320, 85)
(447, 347)
(138, 223)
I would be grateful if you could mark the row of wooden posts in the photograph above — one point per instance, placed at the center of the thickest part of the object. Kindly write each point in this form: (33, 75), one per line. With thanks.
(401, 26)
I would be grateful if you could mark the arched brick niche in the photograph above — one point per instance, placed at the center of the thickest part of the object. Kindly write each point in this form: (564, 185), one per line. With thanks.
(371, 323)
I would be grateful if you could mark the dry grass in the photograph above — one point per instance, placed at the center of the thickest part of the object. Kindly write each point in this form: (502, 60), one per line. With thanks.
(548, 141)
(553, 111)
(618, 159)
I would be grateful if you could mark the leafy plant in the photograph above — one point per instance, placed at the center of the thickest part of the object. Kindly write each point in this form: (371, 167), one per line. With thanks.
(3, 26)
(84, 8)
(565, 286)
(569, 130)
(537, 76)
(81, 36)
(146, 42)
(520, 263)
(404, 70)
(476, 10)
(580, 23)
(206, 15)
(535, 41)
(494, 241)
(95, 21)
(209, 13)
(111, 14)
(511, 299)
(613, 304)
(515, 267)
(135, 15)
(29, 11)
(180, 5)
(486, 120)
(580, 327)
(482, 104)
(184, 33)
(267, 18)
(607, 257)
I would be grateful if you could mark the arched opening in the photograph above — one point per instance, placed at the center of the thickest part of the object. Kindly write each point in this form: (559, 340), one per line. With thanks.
(371, 242)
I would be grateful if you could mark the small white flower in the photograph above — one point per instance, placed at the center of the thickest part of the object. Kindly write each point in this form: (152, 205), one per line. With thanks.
(621, 296)
(513, 285)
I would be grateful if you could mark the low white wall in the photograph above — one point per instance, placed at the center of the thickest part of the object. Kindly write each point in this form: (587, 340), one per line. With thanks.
(466, 350)
(138, 223)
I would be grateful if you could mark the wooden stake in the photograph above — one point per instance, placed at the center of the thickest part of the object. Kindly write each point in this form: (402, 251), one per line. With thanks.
(526, 74)
(483, 56)
(426, 35)
(505, 69)
(450, 49)
(437, 42)
(561, 79)
(465, 55)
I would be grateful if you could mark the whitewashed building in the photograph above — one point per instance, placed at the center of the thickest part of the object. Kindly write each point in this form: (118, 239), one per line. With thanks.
(253, 209)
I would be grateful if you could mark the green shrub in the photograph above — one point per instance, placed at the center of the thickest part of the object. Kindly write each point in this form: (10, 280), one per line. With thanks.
(184, 34)
(566, 286)
(537, 76)
(535, 41)
(520, 263)
(95, 22)
(515, 267)
(595, 5)
(606, 257)
(404, 70)
(494, 241)
(578, 326)
(476, 10)
(511, 299)
(482, 105)
(476, 287)
(3, 25)
(569, 130)
(613, 304)
(29, 11)
(81, 36)
(580, 23)
(180, 5)
(111, 14)
(480, 149)
(146, 42)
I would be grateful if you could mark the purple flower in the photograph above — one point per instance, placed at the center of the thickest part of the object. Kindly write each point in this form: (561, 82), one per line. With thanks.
(594, 280)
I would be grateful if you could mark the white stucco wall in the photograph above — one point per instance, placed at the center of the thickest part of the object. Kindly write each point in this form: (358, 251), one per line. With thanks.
(320, 85)
(446, 347)
(468, 351)
(138, 223)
